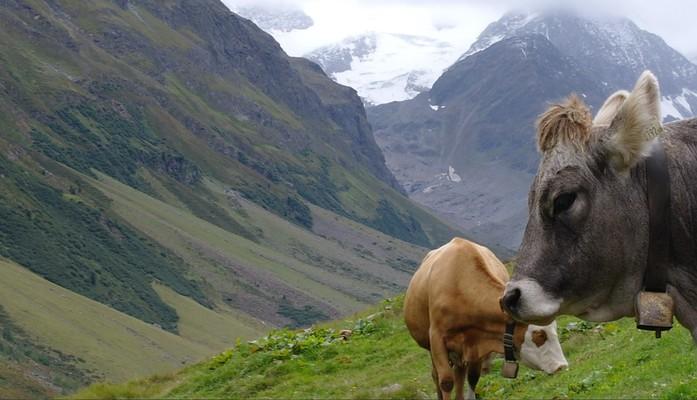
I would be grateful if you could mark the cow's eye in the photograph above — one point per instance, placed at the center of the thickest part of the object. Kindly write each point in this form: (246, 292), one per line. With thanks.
(563, 202)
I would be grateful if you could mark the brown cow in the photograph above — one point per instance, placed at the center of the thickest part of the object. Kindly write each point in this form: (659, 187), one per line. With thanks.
(452, 309)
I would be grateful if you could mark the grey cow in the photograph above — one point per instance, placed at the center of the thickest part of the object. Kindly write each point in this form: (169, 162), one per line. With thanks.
(586, 243)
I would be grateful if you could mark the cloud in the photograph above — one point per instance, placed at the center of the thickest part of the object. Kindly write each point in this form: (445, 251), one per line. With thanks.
(461, 20)
(673, 20)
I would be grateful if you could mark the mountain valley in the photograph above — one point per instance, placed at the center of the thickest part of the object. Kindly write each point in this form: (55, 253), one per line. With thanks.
(176, 182)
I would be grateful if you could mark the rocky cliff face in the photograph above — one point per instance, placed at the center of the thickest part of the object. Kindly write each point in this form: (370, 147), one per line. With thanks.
(346, 110)
(466, 148)
(235, 46)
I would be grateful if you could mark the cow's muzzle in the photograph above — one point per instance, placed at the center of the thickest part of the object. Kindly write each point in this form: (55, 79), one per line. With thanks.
(510, 300)
(526, 301)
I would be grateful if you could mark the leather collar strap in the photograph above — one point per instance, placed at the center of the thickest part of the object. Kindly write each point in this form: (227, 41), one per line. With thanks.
(658, 193)
(508, 344)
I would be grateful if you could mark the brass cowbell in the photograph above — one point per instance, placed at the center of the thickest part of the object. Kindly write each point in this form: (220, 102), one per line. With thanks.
(509, 369)
(654, 312)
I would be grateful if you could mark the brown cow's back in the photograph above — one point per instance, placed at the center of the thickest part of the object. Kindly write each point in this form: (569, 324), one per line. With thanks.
(416, 302)
(451, 282)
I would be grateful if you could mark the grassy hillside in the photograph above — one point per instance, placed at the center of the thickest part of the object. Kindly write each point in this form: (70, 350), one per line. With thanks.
(380, 361)
(294, 277)
(61, 340)
(291, 267)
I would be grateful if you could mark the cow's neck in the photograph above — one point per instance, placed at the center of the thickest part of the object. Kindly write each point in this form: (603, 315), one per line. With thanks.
(681, 147)
(518, 338)
(490, 340)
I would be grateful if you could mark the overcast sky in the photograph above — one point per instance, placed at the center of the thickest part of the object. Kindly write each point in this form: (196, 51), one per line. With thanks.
(460, 21)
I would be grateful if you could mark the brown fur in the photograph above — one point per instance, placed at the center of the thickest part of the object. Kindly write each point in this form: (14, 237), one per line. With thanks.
(566, 122)
(539, 337)
(452, 309)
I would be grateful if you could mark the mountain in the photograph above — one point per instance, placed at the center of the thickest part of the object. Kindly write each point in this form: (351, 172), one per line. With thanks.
(385, 67)
(466, 149)
(277, 17)
(170, 174)
(614, 50)
(318, 362)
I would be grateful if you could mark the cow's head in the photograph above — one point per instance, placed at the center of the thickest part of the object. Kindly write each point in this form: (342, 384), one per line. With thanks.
(541, 349)
(584, 248)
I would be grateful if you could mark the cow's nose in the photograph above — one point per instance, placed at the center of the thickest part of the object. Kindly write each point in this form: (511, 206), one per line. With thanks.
(510, 300)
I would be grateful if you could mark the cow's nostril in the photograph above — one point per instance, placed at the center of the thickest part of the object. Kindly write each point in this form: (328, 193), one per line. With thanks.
(511, 299)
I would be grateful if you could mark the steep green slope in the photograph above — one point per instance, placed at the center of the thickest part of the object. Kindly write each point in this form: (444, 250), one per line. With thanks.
(294, 277)
(191, 90)
(60, 237)
(61, 340)
(30, 370)
(182, 231)
(381, 361)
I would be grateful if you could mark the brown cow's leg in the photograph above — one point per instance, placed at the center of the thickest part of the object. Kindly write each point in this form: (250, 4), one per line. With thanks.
(439, 355)
(434, 375)
(459, 381)
(486, 364)
(474, 370)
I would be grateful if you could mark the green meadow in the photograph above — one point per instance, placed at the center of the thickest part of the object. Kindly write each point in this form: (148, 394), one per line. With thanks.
(381, 361)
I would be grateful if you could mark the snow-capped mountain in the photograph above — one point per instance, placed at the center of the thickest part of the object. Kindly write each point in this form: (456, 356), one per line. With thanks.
(276, 18)
(614, 50)
(385, 67)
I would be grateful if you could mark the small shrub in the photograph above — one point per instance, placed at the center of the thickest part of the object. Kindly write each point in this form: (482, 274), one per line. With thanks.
(364, 327)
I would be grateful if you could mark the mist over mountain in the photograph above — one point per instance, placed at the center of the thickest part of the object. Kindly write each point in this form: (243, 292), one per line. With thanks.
(465, 148)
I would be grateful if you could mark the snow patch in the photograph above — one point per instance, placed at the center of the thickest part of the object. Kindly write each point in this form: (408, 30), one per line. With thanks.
(387, 67)
(668, 109)
(482, 45)
(508, 27)
(677, 106)
(429, 189)
(682, 100)
(452, 175)
(436, 107)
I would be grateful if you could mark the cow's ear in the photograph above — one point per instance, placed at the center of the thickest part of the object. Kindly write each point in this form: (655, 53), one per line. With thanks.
(610, 108)
(636, 124)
